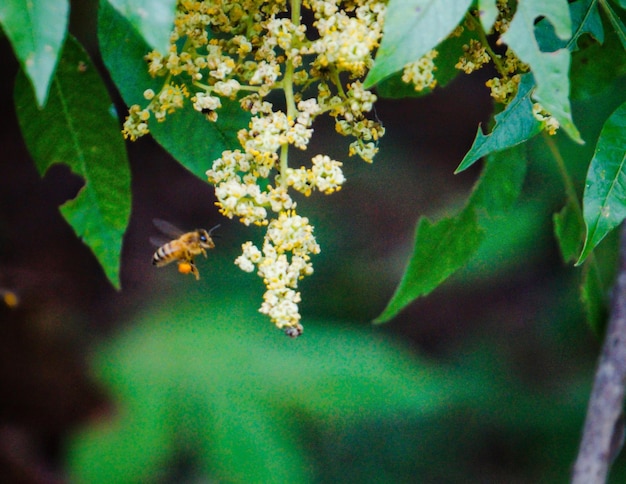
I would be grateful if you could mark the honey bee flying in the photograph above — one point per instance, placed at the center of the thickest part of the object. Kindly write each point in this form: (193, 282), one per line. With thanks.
(183, 248)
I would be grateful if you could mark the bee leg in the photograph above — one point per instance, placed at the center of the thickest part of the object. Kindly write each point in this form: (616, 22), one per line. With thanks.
(203, 252)
(195, 271)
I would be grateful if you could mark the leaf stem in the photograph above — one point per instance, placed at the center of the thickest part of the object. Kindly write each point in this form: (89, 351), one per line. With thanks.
(290, 101)
(570, 190)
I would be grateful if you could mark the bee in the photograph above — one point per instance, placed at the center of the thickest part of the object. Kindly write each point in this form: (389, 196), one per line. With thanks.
(183, 248)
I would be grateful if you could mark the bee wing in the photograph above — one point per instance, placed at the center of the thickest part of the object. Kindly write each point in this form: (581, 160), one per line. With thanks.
(167, 228)
(159, 241)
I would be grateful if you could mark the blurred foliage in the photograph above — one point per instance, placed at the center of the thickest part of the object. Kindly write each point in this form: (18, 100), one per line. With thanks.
(212, 381)
(203, 391)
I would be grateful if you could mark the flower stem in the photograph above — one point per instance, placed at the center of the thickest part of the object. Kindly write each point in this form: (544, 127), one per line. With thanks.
(290, 101)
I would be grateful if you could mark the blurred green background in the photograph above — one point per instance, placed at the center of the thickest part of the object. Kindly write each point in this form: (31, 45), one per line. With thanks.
(170, 380)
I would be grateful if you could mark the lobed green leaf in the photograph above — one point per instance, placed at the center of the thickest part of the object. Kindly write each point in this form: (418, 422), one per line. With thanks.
(550, 69)
(76, 128)
(443, 247)
(514, 125)
(412, 28)
(585, 20)
(36, 30)
(152, 19)
(186, 134)
(500, 183)
(605, 186)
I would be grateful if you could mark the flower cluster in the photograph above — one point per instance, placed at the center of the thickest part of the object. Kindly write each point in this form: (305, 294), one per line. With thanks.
(283, 260)
(244, 51)
(421, 73)
(474, 57)
(504, 86)
(476, 54)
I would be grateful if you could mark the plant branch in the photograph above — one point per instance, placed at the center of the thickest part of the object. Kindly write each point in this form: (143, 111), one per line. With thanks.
(604, 427)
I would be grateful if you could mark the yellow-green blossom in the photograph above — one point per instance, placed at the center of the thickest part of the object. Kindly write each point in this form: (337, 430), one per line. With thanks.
(421, 72)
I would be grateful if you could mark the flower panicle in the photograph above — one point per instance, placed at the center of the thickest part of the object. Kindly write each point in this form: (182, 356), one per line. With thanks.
(245, 51)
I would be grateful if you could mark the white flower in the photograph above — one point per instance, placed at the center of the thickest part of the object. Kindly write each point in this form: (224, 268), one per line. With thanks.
(250, 256)
(292, 233)
(282, 307)
(265, 73)
(204, 101)
(227, 88)
(327, 174)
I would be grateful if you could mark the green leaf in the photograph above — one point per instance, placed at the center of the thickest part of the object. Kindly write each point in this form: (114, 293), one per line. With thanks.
(550, 69)
(36, 30)
(617, 23)
(443, 247)
(488, 13)
(76, 128)
(508, 247)
(230, 395)
(595, 67)
(500, 183)
(514, 125)
(186, 134)
(412, 28)
(568, 229)
(605, 187)
(152, 19)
